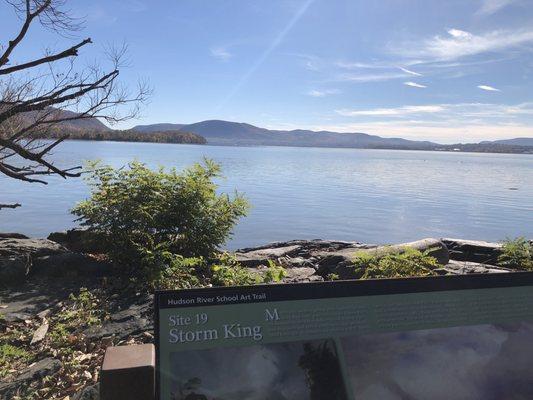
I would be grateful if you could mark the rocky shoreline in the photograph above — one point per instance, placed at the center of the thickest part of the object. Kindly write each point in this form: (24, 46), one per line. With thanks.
(38, 276)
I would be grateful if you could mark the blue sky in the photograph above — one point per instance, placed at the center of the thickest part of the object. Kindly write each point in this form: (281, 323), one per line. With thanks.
(449, 71)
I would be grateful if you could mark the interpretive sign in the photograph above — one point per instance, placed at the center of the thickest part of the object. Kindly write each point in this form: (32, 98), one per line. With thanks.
(460, 337)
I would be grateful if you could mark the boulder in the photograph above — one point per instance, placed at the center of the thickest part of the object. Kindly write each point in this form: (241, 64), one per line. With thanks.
(80, 240)
(33, 247)
(39, 370)
(254, 258)
(340, 262)
(473, 250)
(294, 253)
(70, 264)
(14, 269)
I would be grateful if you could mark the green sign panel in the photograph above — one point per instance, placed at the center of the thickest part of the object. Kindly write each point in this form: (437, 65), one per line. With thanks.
(432, 338)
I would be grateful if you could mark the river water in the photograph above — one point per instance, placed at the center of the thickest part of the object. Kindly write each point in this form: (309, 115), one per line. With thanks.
(372, 196)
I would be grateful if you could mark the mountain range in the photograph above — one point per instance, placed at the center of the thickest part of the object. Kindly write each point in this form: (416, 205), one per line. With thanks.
(218, 132)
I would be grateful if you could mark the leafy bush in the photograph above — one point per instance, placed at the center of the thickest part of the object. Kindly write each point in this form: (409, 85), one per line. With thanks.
(141, 210)
(274, 273)
(410, 262)
(165, 270)
(517, 253)
(227, 271)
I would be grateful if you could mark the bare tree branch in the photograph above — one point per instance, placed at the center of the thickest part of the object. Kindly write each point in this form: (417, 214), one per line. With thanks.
(71, 52)
(15, 205)
(42, 98)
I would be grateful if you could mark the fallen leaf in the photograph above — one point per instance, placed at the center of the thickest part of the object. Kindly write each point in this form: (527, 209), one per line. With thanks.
(39, 334)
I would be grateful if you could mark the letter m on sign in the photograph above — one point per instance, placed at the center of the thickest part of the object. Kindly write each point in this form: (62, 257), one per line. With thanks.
(271, 315)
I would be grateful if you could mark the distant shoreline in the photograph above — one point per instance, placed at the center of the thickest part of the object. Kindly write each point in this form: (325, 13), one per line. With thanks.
(468, 148)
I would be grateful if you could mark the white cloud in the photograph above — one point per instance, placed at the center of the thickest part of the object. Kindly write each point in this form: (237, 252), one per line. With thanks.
(488, 88)
(457, 111)
(492, 6)
(414, 84)
(362, 65)
(220, 53)
(443, 132)
(446, 123)
(410, 72)
(386, 76)
(395, 112)
(322, 93)
(459, 43)
(457, 33)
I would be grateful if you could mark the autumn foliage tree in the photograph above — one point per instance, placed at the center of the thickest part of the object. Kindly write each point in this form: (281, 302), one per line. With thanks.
(44, 93)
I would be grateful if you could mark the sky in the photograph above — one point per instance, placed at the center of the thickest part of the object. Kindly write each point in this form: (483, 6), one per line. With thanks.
(448, 71)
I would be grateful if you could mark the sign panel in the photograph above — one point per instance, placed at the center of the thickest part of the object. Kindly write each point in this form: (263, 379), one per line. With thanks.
(461, 337)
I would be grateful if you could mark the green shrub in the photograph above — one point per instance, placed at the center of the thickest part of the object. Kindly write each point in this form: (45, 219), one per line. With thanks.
(165, 270)
(226, 271)
(410, 262)
(140, 210)
(274, 273)
(517, 253)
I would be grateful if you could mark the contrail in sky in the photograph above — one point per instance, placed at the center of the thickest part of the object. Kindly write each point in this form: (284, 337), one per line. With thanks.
(277, 41)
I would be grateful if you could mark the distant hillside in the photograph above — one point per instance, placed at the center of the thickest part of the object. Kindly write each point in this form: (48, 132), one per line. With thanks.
(74, 125)
(158, 127)
(513, 142)
(218, 132)
(94, 129)
(237, 134)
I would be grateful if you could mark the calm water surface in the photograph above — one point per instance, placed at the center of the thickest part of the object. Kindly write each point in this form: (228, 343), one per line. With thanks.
(373, 196)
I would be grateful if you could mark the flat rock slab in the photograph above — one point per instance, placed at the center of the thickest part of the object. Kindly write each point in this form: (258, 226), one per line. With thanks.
(340, 262)
(254, 258)
(37, 371)
(132, 321)
(467, 267)
(293, 275)
(295, 253)
(34, 247)
(473, 250)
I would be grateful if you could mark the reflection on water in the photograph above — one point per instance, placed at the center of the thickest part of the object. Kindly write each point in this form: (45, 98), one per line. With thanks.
(373, 196)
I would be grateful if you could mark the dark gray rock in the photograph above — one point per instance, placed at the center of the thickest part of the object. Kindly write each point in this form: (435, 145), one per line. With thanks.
(12, 235)
(88, 393)
(467, 267)
(70, 264)
(473, 250)
(80, 240)
(340, 262)
(39, 370)
(34, 247)
(295, 253)
(293, 274)
(254, 258)
(132, 321)
(14, 269)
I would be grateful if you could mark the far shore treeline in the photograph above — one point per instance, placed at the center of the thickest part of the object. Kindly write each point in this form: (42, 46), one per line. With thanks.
(182, 137)
(130, 136)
